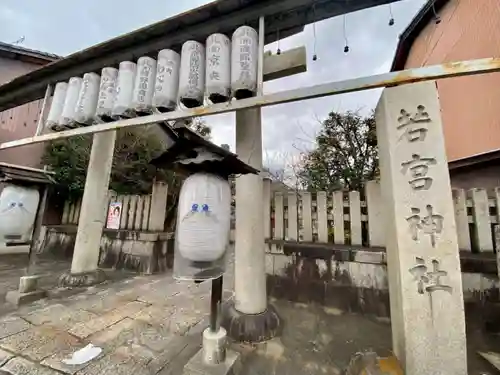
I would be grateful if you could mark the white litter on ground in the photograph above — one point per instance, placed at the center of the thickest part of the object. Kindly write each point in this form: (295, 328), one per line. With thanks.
(83, 355)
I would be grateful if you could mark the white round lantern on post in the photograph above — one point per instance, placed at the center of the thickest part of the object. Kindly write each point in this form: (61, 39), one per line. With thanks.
(56, 107)
(87, 99)
(122, 106)
(218, 68)
(142, 98)
(167, 81)
(192, 75)
(203, 229)
(244, 59)
(69, 107)
(107, 94)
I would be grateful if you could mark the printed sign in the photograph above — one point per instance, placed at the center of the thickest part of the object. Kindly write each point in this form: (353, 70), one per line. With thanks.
(114, 215)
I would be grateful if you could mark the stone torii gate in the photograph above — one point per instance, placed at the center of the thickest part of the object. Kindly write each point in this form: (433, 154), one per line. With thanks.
(425, 281)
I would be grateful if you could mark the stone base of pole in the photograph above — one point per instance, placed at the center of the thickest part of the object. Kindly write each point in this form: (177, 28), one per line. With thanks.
(71, 280)
(214, 346)
(213, 358)
(251, 328)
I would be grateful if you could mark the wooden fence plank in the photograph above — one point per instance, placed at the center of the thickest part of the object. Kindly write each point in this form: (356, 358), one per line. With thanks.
(125, 199)
(307, 217)
(482, 223)
(71, 215)
(145, 212)
(338, 217)
(461, 218)
(78, 208)
(279, 232)
(376, 226)
(138, 213)
(65, 215)
(355, 217)
(131, 211)
(322, 210)
(266, 197)
(292, 217)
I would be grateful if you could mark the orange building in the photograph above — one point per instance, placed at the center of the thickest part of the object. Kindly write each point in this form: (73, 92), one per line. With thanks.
(455, 30)
(21, 122)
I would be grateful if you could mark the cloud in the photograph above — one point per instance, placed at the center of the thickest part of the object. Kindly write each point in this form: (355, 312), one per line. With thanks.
(63, 27)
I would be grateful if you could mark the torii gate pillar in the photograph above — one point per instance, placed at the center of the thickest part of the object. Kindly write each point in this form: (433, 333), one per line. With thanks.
(251, 318)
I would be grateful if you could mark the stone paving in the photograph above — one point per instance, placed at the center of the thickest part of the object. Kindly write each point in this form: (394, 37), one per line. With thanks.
(145, 325)
(152, 325)
(13, 266)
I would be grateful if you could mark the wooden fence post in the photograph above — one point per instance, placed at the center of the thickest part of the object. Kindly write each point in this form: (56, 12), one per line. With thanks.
(482, 222)
(158, 207)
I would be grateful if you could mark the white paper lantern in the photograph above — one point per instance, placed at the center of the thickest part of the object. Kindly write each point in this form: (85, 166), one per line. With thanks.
(142, 98)
(107, 94)
(218, 71)
(192, 75)
(124, 90)
(204, 217)
(244, 59)
(87, 99)
(68, 112)
(167, 81)
(56, 107)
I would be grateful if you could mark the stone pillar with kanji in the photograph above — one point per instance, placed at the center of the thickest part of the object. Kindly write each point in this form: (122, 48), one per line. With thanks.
(425, 283)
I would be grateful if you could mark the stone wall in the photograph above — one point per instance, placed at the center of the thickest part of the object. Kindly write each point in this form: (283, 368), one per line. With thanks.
(140, 251)
(354, 279)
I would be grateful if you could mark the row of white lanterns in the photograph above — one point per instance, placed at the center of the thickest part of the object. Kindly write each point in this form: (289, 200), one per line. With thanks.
(221, 70)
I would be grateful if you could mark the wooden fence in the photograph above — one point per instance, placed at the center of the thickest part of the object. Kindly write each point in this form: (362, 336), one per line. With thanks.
(357, 218)
(139, 212)
(351, 218)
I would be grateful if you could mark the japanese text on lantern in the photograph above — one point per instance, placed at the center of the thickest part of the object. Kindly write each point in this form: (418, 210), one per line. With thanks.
(143, 81)
(245, 57)
(164, 69)
(214, 57)
(194, 66)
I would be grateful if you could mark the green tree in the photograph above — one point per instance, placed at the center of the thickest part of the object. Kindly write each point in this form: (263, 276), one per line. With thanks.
(345, 154)
(131, 172)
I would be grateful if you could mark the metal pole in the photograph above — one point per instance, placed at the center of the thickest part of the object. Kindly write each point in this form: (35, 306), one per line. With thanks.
(260, 61)
(428, 73)
(215, 304)
(40, 123)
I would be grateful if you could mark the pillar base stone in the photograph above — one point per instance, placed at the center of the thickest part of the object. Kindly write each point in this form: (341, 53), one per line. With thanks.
(71, 280)
(251, 328)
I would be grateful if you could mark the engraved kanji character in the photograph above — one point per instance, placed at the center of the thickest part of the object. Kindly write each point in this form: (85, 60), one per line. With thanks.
(431, 224)
(429, 281)
(245, 49)
(215, 76)
(214, 60)
(419, 167)
(410, 124)
(244, 65)
(244, 75)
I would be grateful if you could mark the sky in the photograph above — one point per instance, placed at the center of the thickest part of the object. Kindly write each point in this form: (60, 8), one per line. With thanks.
(63, 27)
